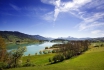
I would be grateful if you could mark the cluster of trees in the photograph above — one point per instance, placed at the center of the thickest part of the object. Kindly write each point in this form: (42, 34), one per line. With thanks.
(69, 50)
(55, 46)
(9, 59)
(98, 44)
(59, 40)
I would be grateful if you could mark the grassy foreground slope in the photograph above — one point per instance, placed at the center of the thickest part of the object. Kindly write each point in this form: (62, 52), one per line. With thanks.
(93, 59)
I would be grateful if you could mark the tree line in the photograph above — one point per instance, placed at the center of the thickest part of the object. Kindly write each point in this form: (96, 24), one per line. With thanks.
(66, 51)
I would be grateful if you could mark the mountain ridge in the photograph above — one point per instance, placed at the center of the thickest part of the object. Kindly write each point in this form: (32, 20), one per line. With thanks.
(22, 36)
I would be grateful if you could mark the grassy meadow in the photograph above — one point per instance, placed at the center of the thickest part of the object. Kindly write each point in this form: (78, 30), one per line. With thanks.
(93, 59)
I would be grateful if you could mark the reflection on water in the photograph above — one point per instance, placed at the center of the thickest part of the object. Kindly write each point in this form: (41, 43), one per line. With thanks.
(32, 48)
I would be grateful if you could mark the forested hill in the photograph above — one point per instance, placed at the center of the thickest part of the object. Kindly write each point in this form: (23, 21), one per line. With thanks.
(13, 36)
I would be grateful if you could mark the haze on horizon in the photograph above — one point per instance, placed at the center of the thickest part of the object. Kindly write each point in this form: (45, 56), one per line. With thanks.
(53, 18)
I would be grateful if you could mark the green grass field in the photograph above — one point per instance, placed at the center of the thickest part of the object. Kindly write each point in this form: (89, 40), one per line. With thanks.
(93, 59)
(38, 60)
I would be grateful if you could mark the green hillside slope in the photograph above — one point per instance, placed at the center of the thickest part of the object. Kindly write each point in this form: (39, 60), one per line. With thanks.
(93, 59)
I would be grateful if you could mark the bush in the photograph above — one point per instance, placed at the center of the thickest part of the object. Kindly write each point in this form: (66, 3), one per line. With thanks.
(101, 45)
(29, 54)
(36, 53)
(55, 58)
(67, 54)
(46, 47)
(58, 58)
(40, 52)
(45, 52)
(53, 51)
(3, 65)
(19, 63)
(61, 58)
(49, 51)
(50, 60)
(28, 63)
(96, 46)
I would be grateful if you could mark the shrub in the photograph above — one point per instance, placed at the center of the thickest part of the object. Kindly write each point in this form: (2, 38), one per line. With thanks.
(53, 51)
(36, 53)
(55, 59)
(96, 46)
(50, 60)
(45, 52)
(46, 47)
(61, 58)
(58, 58)
(28, 63)
(19, 63)
(3, 65)
(29, 54)
(40, 52)
(49, 51)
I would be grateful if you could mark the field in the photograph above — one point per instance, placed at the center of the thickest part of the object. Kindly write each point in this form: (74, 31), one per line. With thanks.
(93, 59)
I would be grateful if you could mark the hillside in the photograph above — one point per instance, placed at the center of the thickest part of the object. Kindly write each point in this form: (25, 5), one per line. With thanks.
(13, 36)
(90, 60)
(39, 37)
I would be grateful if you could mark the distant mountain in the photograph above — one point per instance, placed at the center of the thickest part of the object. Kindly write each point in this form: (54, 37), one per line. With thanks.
(87, 38)
(40, 37)
(13, 36)
(68, 38)
(73, 38)
(97, 39)
(49, 38)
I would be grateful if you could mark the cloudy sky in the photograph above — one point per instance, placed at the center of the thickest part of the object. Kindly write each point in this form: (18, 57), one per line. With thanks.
(53, 18)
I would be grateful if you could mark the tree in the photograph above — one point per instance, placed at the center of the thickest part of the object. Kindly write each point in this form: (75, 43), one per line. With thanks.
(36, 53)
(53, 51)
(50, 60)
(46, 47)
(40, 52)
(2, 49)
(44, 51)
(15, 55)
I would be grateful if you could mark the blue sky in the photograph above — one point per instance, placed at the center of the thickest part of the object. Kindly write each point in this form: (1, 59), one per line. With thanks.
(53, 18)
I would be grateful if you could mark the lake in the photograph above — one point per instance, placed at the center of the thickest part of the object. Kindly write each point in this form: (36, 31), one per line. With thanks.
(32, 48)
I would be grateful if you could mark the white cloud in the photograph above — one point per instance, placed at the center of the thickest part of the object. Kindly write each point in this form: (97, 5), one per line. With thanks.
(100, 7)
(48, 16)
(65, 6)
(56, 13)
(52, 2)
(15, 7)
(91, 21)
(86, 10)
(96, 31)
(85, 26)
(57, 10)
(103, 35)
(95, 3)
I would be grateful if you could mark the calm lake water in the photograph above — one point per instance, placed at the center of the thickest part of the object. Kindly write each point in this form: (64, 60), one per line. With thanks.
(32, 48)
